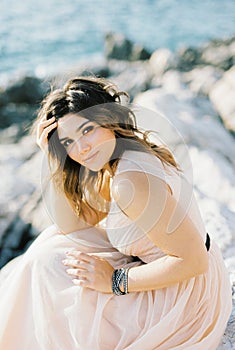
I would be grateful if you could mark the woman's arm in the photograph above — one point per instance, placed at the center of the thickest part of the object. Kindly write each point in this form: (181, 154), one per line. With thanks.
(148, 201)
(57, 205)
(61, 212)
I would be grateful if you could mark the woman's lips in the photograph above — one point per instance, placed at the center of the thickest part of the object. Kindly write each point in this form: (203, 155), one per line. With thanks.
(90, 157)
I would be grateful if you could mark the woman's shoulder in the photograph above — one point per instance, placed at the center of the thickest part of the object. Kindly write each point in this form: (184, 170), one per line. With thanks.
(138, 181)
(145, 162)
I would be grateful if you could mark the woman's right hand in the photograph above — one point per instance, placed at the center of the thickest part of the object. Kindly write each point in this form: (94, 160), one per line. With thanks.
(43, 129)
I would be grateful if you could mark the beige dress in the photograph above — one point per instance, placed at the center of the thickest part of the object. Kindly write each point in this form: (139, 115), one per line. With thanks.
(41, 309)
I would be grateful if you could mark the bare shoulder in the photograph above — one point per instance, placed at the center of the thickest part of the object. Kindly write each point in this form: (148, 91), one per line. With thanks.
(134, 190)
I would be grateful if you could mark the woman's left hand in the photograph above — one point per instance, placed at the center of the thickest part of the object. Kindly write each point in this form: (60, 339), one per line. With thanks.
(89, 271)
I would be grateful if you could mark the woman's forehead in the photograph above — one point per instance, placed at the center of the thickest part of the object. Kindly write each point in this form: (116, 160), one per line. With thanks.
(70, 122)
(71, 118)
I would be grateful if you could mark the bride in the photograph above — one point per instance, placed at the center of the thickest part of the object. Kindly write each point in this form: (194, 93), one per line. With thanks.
(127, 264)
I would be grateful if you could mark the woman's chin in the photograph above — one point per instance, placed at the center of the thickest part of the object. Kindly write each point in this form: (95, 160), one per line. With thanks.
(94, 167)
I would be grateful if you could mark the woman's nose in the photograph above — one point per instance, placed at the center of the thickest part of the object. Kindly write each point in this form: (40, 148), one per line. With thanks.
(83, 147)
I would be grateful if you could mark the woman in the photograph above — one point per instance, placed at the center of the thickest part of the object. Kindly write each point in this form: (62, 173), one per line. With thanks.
(128, 264)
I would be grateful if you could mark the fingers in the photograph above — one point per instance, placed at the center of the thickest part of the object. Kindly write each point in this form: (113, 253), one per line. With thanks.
(79, 277)
(44, 124)
(81, 256)
(44, 128)
(77, 261)
(80, 265)
(76, 273)
(89, 271)
(71, 262)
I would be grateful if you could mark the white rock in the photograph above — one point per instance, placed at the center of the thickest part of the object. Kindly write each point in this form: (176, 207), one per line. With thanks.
(222, 96)
(209, 147)
(161, 60)
(185, 115)
(201, 80)
(217, 55)
(227, 342)
(210, 150)
(134, 79)
(220, 186)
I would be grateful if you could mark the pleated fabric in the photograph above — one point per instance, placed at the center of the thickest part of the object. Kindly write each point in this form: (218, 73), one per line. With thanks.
(41, 309)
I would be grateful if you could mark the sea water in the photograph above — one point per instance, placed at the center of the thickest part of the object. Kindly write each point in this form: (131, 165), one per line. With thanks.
(42, 36)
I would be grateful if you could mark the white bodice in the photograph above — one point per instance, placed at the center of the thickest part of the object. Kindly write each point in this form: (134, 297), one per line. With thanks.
(122, 232)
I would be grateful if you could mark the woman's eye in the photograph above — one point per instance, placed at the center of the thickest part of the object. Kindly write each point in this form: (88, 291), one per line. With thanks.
(88, 129)
(68, 142)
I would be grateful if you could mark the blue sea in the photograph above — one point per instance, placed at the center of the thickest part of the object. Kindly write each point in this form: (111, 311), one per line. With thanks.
(45, 36)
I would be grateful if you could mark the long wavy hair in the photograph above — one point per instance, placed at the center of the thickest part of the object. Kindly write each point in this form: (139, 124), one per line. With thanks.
(97, 100)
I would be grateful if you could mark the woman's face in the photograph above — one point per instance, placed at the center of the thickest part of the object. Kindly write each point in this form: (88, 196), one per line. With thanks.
(86, 142)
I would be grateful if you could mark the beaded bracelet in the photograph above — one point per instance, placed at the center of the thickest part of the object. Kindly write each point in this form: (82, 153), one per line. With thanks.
(120, 278)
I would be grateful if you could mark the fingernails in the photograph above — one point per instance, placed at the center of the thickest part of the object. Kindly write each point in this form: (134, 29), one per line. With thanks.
(77, 282)
(68, 252)
(71, 252)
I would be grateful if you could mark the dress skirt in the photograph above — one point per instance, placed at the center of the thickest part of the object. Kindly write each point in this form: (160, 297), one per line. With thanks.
(41, 308)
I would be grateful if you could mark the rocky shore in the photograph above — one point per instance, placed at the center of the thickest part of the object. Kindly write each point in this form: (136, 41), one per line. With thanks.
(193, 88)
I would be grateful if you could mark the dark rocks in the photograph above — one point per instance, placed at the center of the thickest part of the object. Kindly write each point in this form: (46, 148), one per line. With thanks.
(22, 213)
(118, 47)
(188, 58)
(220, 54)
(194, 88)
(19, 102)
(20, 114)
(139, 53)
(217, 53)
(27, 90)
(15, 239)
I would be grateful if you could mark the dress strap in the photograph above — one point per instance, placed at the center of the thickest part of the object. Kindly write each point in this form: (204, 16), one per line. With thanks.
(208, 242)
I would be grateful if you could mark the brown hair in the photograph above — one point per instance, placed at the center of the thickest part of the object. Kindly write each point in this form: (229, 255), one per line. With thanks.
(97, 100)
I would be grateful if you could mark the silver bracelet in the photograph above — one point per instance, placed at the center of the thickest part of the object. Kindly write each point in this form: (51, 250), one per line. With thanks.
(120, 278)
